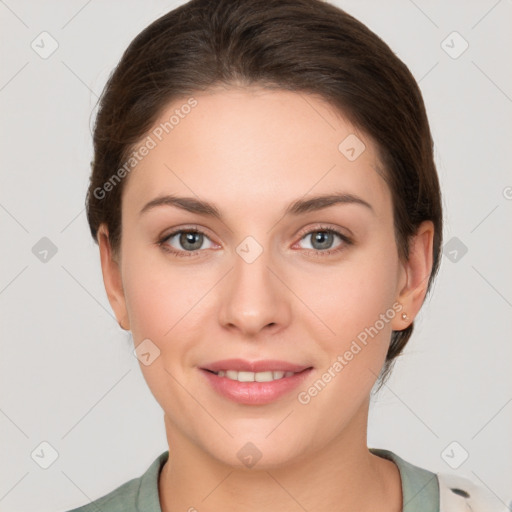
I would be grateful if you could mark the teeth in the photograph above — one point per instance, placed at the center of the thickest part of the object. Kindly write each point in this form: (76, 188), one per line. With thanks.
(254, 376)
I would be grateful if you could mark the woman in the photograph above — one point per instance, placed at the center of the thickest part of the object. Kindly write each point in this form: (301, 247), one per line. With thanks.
(268, 214)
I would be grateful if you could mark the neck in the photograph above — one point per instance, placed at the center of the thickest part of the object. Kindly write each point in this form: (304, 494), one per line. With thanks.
(343, 476)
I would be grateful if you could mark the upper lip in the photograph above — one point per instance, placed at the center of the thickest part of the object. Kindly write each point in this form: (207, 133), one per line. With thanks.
(242, 365)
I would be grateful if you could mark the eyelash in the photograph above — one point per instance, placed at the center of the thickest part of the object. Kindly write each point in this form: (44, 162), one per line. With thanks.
(316, 252)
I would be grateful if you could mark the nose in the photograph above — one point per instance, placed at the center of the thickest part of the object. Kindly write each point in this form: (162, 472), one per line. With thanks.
(254, 298)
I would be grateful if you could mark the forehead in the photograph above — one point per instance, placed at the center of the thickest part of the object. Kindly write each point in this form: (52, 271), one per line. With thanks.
(252, 146)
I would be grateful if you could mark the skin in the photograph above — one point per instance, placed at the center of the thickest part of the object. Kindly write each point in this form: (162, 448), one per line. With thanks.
(252, 152)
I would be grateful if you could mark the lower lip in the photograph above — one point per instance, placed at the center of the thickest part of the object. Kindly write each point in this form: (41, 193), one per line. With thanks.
(255, 393)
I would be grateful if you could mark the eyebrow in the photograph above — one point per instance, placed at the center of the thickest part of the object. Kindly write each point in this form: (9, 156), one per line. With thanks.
(298, 207)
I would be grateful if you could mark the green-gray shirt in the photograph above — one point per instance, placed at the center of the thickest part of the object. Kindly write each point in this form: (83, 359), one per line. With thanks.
(420, 489)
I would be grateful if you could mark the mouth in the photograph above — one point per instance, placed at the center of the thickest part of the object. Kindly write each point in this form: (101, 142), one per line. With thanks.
(254, 383)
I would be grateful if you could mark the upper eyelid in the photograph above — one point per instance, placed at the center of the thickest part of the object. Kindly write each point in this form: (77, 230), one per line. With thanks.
(308, 231)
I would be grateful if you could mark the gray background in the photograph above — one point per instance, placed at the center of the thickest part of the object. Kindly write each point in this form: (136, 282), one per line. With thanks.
(68, 376)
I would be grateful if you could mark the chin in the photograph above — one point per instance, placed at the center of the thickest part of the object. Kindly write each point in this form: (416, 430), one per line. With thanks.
(255, 453)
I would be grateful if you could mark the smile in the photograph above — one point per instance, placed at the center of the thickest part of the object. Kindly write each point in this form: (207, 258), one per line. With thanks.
(267, 376)
(254, 383)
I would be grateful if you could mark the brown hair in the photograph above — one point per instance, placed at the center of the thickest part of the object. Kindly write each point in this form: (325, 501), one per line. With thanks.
(298, 45)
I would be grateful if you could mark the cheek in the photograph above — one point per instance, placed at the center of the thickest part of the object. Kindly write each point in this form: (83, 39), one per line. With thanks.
(148, 305)
(160, 298)
(357, 291)
(167, 303)
(156, 293)
(355, 300)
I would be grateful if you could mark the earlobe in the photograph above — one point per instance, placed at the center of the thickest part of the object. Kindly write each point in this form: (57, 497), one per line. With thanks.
(417, 272)
(112, 278)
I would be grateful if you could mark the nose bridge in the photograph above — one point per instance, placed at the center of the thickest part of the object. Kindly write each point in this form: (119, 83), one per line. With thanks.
(255, 297)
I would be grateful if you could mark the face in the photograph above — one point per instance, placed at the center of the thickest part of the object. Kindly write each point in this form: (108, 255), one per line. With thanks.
(287, 286)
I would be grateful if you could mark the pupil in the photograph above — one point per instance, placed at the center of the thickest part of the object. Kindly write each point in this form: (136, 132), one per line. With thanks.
(188, 238)
(325, 237)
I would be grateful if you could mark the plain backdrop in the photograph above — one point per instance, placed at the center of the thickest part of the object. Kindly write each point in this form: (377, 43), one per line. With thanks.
(67, 373)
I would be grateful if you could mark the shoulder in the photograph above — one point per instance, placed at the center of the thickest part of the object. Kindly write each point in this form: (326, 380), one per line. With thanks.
(457, 493)
(121, 499)
(140, 493)
(428, 491)
(420, 490)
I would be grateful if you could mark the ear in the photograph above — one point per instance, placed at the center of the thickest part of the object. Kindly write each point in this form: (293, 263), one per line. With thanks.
(112, 278)
(415, 274)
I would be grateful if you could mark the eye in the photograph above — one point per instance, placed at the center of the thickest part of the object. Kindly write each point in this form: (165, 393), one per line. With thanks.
(189, 242)
(185, 242)
(322, 239)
